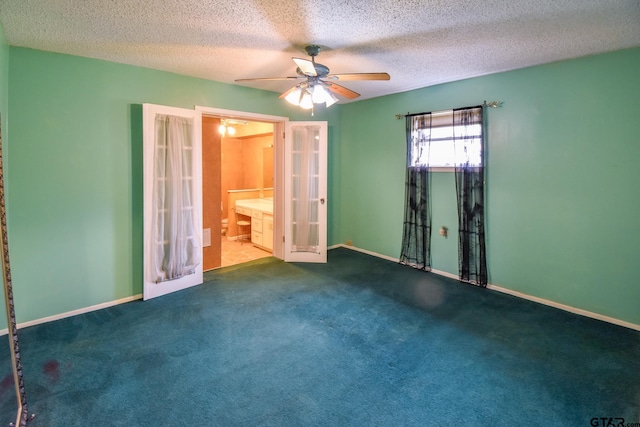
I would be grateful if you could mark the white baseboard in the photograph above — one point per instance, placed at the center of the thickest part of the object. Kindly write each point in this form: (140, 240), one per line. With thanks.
(514, 293)
(73, 313)
(364, 251)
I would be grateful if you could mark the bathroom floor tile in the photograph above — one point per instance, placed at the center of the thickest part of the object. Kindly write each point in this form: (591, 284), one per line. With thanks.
(239, 251)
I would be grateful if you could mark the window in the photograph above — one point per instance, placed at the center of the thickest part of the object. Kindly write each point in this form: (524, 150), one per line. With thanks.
(446, 139)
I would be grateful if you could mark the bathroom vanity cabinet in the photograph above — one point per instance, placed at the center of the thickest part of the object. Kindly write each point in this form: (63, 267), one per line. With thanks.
(267, 231)
(261, 213)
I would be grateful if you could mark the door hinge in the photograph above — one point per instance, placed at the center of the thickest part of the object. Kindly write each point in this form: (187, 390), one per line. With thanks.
(282, 239)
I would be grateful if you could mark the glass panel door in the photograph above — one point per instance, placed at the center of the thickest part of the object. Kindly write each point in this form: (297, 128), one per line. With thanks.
(305, 191)
(172, 199)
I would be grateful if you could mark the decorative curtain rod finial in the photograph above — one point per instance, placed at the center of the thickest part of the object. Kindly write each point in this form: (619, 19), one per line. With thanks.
(492, 104)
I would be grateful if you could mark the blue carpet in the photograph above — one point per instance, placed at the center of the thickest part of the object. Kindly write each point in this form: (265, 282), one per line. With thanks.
(359, 341)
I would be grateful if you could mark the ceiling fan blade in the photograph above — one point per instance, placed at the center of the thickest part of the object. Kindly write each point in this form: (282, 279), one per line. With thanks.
(360, 76)
(341, 90)
(305, 66)
(267, 78)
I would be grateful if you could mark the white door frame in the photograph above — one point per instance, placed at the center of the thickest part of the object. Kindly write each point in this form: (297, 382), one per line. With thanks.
(278, 169)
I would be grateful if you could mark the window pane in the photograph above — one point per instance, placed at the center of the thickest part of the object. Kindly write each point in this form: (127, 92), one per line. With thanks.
(436, 146)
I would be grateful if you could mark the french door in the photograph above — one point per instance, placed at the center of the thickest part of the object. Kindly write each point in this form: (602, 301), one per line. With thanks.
(305, 190)
(172, 148)
(301, 172)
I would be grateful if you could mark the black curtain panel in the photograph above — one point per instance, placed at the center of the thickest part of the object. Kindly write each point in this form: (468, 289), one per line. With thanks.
(416, 238)
(468, 139)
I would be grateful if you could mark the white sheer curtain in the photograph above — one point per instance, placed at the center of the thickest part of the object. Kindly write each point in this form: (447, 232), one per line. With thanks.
(174, 236)
(305, 188)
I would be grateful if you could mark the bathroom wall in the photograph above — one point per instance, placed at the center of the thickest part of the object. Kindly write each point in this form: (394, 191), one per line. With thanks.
(242, 164)
(211, 195)
(253, 152)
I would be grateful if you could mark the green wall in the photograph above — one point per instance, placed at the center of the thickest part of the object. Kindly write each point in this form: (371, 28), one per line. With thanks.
(75, 172)
(562, 176)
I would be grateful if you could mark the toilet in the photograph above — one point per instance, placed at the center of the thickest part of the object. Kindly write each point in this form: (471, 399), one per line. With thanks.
(225, 226)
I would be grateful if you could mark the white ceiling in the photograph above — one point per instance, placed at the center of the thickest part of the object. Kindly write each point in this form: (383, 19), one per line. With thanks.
(418, 42)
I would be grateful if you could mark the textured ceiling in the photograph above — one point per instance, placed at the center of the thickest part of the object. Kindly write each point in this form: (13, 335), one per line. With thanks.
(418, 42)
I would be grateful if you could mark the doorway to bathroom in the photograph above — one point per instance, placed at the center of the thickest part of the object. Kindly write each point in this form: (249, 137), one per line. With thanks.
(239, 185)
(246, 190)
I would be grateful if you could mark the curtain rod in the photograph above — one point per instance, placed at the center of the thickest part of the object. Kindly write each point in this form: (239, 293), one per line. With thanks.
(492, 104)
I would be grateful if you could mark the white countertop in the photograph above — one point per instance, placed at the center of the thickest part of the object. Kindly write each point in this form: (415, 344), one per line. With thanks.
(263, 205)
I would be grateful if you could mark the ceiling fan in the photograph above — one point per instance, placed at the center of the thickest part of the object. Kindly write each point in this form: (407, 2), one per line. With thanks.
(316, 85)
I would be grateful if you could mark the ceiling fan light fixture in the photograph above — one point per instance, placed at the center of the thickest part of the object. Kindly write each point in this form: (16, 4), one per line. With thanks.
(306, 101)
(331, 99)
(294, 96)
(319, 94)
(316, 89)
